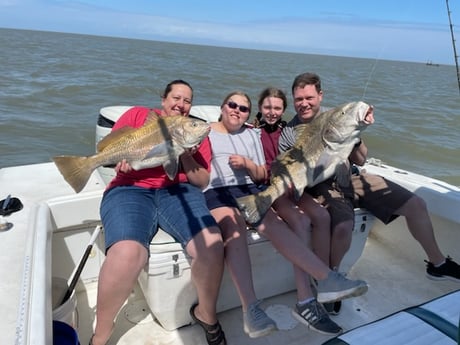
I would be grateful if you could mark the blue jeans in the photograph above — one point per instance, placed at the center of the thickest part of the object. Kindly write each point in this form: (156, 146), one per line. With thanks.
(135, 213)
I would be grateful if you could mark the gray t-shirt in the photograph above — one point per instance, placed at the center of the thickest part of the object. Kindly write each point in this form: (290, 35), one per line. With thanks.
(245, 142)
(287, 137)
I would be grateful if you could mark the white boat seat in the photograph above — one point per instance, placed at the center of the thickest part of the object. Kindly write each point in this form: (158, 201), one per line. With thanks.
(164, 243)
(434, 322)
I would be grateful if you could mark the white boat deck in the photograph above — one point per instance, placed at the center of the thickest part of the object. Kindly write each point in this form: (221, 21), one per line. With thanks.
(387, 294)
(392, 264)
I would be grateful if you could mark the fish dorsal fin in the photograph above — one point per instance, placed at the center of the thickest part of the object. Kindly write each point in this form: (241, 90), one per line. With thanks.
(113, 137)
(152, 116)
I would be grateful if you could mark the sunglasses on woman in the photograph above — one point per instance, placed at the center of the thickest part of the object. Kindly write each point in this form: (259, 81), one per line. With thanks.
(242, 108)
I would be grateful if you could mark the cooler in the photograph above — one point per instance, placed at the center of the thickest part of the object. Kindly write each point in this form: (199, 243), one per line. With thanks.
(363, 224)
(169, 291)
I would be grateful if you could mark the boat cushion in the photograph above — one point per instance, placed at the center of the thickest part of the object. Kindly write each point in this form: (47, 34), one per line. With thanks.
(431, 323)
(208, 113)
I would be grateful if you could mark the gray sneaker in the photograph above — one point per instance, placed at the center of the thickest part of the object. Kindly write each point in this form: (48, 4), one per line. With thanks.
(256, 322)
(314, 316)
(336, 287)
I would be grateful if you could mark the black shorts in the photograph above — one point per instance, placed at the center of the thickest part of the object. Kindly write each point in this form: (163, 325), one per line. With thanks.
(376, 194)
(225, 196)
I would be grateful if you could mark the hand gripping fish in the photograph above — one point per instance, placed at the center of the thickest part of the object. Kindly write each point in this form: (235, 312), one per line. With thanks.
(160, 141)
(320, 151)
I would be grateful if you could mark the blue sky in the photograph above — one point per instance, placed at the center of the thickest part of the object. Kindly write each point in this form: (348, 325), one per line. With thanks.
(407, 30)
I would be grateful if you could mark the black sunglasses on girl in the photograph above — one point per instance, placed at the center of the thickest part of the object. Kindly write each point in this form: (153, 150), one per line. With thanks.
(242, 108)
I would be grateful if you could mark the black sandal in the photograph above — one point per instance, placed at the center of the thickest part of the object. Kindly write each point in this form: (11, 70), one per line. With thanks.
(214, 333)
(10, 205)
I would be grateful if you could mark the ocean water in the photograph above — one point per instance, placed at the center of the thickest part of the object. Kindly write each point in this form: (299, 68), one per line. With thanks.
(52, 86)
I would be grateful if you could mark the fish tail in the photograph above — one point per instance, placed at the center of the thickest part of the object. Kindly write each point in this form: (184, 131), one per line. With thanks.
(253, 208)
(75, 170)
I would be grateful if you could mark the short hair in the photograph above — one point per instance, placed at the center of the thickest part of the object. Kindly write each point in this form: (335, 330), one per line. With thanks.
(307, 79)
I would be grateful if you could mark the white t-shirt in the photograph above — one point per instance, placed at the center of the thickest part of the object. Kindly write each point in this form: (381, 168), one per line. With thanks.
(246, 142)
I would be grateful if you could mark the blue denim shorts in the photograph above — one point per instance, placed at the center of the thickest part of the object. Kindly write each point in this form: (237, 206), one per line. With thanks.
(135, 213)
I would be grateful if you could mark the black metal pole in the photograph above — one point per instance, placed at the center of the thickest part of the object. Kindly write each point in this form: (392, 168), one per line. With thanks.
(453, 44)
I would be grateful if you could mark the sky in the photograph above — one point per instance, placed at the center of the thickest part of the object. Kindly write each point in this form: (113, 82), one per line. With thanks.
(405, 30)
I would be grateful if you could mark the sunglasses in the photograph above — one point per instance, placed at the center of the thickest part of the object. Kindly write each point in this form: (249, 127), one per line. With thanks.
(242, 108)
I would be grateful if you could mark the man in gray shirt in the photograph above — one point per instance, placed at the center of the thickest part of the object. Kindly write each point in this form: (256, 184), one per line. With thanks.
(364, 191)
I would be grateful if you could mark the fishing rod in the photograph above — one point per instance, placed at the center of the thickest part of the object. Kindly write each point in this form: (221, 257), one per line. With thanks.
(77, 272)
(453, 44)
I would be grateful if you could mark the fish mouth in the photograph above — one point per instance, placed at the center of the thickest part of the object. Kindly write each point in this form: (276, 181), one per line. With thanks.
(369, 116)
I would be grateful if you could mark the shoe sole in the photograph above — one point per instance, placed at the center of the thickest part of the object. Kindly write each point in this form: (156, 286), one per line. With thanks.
(439, 278)
(261, 333)
(327, 297)
(310, 326)
(334, 311)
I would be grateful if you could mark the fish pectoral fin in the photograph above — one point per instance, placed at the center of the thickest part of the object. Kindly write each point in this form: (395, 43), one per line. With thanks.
(343, 176)
(157, 151)
(171, 166)
(317, 171)
(325, 159)
(298, 193)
